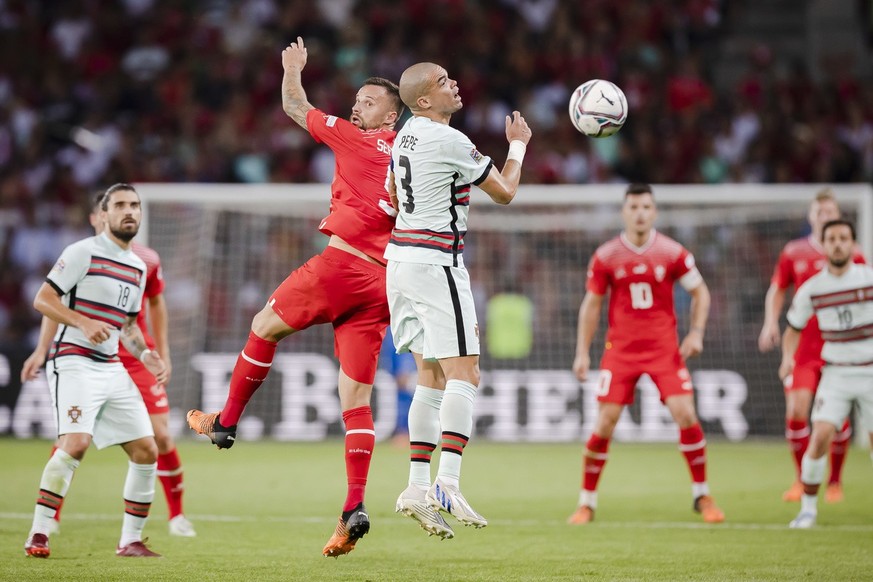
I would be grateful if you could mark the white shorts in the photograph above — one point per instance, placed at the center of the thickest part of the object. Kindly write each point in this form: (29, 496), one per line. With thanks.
(97, 398)
(839, 386)
(432, 311)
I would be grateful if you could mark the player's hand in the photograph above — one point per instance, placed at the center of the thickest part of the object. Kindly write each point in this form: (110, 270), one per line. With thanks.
(32, 365)
(786, 368)
(769, 337)
(157, 367)
(691, 346)
(516, 128)
(581, 365)
(294, 57)
(97, 332)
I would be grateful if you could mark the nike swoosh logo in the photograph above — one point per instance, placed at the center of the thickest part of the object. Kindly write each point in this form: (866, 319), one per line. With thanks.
(231, 438)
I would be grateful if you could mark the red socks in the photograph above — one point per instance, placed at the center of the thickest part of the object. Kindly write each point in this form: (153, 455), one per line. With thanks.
(595, 459)
(693, 445)
(252, 367)
(797, 435)
(360, 441)
(170, 475)
(839, 448)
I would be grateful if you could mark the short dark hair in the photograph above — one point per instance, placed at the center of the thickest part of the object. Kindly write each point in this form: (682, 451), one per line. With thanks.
(104, 201)
(391, 88)
(838, 222)
(97, 201)
(638, 188)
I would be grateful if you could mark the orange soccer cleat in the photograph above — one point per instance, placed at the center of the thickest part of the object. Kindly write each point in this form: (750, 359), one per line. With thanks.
(221, 436)
(706, 507)
(347, 533)
(583, 515)
(834, 493)
(793, 493)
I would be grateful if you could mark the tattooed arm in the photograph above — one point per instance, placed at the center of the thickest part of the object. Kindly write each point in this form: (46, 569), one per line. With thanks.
(134, 342)
(294, 101)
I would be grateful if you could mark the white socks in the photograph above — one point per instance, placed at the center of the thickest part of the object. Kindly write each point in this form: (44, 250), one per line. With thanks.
(139, 491)
(456, 417)
(424, 427)
(53, 486)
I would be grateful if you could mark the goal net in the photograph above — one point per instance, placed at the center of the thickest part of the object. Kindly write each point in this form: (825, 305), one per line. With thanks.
(226, 247)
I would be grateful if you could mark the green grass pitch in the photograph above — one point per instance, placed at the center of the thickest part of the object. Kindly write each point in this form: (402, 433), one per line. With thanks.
(264, 510)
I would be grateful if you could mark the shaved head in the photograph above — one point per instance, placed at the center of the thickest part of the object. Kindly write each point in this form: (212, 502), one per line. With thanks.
(416, 81)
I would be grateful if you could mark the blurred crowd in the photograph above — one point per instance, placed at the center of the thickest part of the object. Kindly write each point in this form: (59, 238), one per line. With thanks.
(95, 92)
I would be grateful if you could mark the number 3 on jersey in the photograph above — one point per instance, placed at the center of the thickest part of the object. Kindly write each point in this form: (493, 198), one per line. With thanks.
(406, 184)
(641, 295)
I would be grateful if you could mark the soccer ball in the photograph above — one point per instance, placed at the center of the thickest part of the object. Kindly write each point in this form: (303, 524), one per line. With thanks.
(598, 108)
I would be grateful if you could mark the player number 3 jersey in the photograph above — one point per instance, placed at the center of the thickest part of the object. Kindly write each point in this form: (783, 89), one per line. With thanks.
(434, 167)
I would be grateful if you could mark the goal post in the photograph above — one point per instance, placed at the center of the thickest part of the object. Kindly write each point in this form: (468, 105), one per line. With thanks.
(226, 247)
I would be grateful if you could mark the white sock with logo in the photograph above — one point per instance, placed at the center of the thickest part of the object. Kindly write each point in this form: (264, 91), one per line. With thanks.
(139, 491)
(424, 427)
(53, 487)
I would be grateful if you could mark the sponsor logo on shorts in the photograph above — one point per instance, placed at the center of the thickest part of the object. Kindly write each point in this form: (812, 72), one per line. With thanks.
(75, 413)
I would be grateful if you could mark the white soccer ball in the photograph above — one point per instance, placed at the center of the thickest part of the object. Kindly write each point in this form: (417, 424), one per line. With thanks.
(598, 108)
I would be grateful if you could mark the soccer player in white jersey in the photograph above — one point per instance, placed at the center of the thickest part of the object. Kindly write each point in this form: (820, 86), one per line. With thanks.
(94, 292)
(433, 167)
(841, 297)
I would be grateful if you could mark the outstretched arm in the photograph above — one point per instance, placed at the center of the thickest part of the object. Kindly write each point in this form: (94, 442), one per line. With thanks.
(502, 186)
(294, 101)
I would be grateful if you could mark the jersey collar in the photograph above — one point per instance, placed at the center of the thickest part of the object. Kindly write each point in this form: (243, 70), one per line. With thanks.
(641, 249)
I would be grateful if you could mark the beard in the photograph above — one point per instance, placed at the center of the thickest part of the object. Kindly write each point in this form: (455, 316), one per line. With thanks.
(125, 235)
(839, 262)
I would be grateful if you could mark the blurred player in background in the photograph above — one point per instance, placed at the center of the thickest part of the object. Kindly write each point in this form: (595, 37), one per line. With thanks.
(345, 285)
(840, 298)
(801, 259)
(153, 394)
(639, 269)
(94, 292)
(433, 168)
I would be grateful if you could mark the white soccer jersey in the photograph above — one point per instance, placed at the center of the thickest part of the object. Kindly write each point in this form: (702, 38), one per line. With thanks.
(844, 307)
(102, 281)
(434, 168)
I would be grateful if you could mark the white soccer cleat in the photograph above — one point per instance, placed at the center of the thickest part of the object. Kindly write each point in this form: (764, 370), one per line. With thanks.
(413, 503)
(804, 520)
(449, 499)
(180, 526)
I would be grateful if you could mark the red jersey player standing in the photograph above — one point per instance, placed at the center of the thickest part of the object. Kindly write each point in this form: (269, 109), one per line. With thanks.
(345, 285)
(154, 394)
(801, 259)
(639, 269)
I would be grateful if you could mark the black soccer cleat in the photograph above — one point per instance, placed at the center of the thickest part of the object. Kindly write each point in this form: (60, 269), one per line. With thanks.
(222, 437)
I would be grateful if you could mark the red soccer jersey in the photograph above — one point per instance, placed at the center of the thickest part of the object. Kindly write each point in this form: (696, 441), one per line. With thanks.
(642, 317)
(360, 208)
(799, 260)
(154, 286)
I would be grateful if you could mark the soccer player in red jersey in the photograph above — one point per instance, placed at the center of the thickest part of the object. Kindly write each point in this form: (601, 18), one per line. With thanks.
(154, 394)
(801, 259)
(639, 269)
(345, 285)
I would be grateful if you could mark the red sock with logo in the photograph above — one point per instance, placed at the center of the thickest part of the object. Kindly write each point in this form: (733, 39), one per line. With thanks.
(250, 371)
(693, 446)
(839, 448)
(359, 443)
(797, 435)
(170, 475)
(595, 458)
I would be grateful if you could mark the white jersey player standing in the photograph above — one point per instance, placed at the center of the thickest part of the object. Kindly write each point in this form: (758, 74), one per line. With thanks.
(94, 292)
(841, 297)
(433, 168)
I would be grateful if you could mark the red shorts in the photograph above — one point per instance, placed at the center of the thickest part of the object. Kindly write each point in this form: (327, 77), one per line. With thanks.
(339, 288)
(619, 375)
(806, 375)
(153, 394)
(807, 360)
